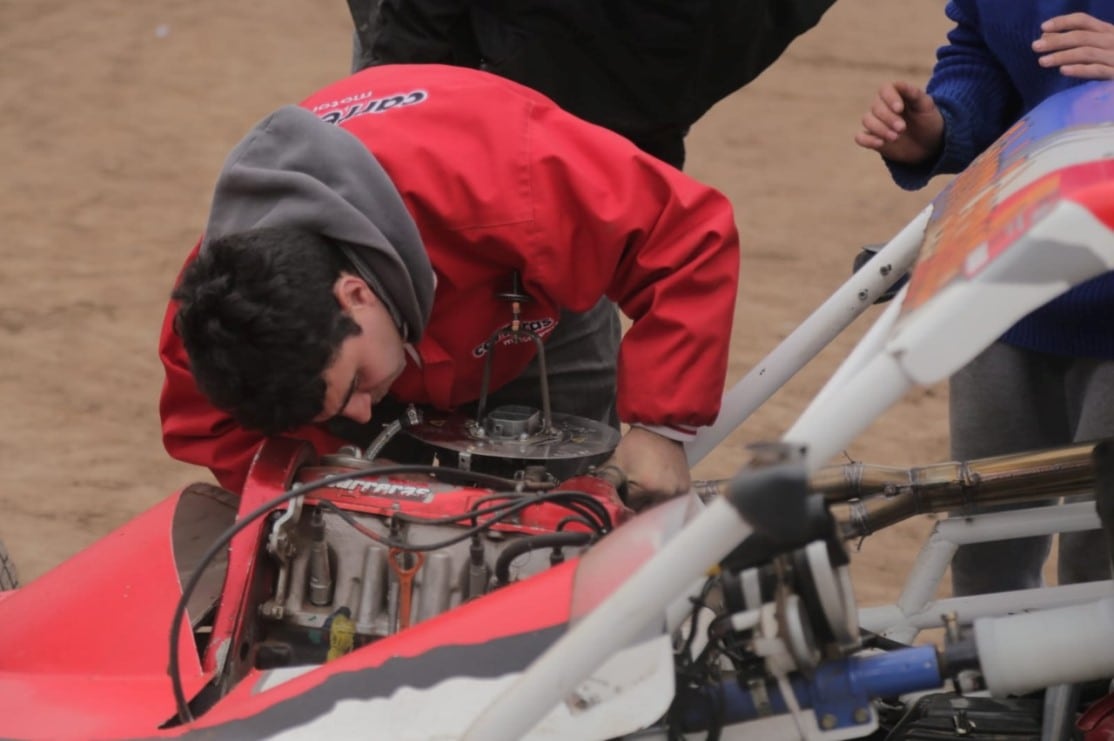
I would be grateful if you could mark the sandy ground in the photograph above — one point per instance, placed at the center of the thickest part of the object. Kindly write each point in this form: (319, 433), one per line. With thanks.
(118, 114)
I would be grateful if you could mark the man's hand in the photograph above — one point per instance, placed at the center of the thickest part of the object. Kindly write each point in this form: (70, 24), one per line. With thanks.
(655, 466)
(902, 124)
(1079, 44)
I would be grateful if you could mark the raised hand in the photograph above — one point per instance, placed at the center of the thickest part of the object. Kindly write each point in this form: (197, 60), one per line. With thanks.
(902, 124)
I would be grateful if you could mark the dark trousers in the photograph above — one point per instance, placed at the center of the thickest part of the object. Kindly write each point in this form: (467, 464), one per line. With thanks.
(1010, 400)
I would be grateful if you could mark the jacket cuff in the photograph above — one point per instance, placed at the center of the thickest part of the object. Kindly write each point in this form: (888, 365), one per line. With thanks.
(678, 434)
(955, 155)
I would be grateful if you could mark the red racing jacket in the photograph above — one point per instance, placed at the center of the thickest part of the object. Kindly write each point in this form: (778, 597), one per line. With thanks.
(499, 180)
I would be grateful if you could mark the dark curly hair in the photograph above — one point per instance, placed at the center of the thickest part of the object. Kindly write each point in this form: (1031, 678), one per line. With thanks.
(260, 324)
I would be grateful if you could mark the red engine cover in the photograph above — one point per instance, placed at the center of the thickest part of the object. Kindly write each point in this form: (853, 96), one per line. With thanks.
(428, 498)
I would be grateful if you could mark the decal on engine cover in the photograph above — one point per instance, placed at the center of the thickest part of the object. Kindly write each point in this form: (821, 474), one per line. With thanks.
(360, 487)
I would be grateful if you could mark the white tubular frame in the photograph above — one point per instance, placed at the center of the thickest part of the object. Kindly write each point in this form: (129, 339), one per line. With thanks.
(639, 601)
(1062, 646)
(917, 610)
(889, 360)
(850, 300)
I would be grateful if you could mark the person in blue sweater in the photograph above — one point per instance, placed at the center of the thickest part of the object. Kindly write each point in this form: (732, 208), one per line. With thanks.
(1050, 379)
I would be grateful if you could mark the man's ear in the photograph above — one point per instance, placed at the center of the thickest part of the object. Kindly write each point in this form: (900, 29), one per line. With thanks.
(352, 292)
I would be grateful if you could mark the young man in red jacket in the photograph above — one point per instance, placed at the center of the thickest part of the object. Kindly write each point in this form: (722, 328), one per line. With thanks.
(357, 244)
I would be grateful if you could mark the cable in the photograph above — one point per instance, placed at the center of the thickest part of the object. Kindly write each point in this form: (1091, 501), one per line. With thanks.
(587, 500)
(501, 512)
(516, 548)
(563, 497)
(698, 603)
(576, 501)
(173, 669)
(408, 546)
(446, 520)
(578, 519)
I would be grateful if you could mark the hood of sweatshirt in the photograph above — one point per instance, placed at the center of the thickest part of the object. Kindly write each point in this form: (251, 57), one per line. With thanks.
(293, 169)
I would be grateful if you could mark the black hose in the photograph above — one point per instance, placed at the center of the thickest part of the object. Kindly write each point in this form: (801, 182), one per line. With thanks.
(566, 498)
(518, 547)
(218, 546)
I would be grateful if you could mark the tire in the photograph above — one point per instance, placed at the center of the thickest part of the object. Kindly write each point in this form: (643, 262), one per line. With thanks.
(9, 579)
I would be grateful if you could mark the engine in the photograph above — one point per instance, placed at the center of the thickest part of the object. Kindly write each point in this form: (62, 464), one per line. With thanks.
(376, 548)
(373, 548)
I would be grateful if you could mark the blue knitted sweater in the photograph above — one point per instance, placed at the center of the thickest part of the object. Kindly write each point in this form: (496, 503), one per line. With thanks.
(986, 77)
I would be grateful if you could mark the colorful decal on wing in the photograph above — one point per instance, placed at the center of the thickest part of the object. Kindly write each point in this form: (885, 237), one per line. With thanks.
(1065, 144)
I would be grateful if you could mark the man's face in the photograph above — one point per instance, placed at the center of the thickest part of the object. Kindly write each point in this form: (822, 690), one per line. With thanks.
(366, 364)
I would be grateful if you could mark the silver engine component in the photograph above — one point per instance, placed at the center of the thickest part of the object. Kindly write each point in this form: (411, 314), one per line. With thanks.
(327, 565)
(514, 436)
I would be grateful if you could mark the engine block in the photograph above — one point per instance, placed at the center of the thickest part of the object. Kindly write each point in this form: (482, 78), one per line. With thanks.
(388, 552)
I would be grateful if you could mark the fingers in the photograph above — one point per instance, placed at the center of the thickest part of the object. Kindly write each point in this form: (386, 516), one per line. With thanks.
(917, 101)
(894, 95)
(1080, 55)
(613, 475)
(640, 497)
(1088, 71)
(869, 141)
(659, 485)
(885, 121)
(655, 467)
(1079, 45)
(1069, 40)
(876, 132)
(1072, 22)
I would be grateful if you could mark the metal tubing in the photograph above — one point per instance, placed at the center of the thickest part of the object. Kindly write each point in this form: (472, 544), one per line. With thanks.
(928, 569)
(1058, 716)
(867, 347)
(871, 497)
(828, 428)
(1020, 523)
(894, 673)
(916, 610)
(890, 495)
(298, 583)
(833, 684)
(892, 622)
(373, 585)
(543, 374)
(436, 586)
(385, 436)
(811, 336)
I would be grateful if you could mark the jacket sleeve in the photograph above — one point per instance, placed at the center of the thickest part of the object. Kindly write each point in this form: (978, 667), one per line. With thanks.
(194, 431)
(611, 219)
(974, 93)
(741, 40)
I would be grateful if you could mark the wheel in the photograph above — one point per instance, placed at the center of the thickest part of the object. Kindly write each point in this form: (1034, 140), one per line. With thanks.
(8, 577)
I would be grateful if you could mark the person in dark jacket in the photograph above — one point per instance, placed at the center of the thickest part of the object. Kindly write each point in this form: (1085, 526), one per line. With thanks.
(646, 70)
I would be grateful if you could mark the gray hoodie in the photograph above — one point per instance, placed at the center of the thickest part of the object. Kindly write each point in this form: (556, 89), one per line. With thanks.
(293, 169)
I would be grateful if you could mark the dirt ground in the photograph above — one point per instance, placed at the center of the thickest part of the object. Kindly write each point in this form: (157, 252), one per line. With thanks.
(118, 114)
